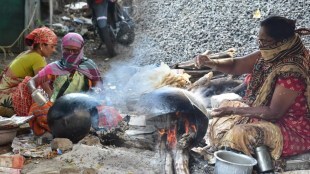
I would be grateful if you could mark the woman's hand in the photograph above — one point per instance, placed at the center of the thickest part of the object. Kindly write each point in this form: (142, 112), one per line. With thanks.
(223, 111)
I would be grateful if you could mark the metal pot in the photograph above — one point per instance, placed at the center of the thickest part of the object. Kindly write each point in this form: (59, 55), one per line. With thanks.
(160, 105)
(70, 116)
(169, 100)
(228, 162)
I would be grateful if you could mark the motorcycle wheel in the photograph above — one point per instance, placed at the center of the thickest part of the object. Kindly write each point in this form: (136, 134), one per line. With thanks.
(107, 37)
(126, 34)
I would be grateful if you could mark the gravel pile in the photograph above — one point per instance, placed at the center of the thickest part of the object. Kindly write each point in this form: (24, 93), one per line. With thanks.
(176, 31)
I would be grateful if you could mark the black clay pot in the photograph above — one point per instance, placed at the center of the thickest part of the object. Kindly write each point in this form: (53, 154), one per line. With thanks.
(70, 116)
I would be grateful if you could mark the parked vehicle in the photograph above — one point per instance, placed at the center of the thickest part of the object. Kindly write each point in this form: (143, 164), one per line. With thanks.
(112, 23)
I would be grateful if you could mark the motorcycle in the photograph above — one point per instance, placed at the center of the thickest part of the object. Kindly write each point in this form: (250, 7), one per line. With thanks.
(112, 23)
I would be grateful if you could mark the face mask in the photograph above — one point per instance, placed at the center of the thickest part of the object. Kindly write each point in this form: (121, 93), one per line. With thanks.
(70, 58)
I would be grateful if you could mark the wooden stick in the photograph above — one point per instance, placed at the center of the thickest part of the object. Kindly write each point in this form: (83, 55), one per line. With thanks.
(181, 160)
(187, 140)
(169, 163)
(203, 81)
(191, 65)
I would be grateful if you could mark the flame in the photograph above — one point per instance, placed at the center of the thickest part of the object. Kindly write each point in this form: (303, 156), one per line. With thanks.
(189, 127)
(172, 136)
(161, 132)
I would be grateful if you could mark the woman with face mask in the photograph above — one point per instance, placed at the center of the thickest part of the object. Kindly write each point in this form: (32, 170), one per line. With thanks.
(14, 97)
(275, 110)
(73, 73)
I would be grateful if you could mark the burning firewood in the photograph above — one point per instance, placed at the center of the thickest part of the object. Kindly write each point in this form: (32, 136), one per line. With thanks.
(187, 140)
(114, 135)
(181, 161)
(177, 147)
(180, 122)
(182, 151)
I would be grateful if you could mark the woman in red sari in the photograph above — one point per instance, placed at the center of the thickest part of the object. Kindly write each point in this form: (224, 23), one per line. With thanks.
(275, 110)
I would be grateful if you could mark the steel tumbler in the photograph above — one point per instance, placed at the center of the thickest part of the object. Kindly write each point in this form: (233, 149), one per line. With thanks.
(38, 97)
(264, 159)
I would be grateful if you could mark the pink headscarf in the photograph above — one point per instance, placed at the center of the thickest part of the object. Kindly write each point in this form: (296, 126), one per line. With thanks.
(71, 62)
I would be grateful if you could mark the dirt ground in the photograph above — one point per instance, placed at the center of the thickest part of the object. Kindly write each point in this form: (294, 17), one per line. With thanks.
(98, 159)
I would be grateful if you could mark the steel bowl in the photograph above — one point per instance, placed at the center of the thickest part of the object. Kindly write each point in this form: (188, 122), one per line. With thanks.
(7, 135)
(228, 162)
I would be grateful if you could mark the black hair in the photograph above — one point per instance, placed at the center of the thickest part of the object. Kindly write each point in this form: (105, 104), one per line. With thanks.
(279, 28)
(29, 42)
(36, 46)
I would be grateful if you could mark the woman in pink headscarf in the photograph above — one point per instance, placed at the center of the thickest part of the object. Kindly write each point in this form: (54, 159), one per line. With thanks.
(73, 73)
(14, 96)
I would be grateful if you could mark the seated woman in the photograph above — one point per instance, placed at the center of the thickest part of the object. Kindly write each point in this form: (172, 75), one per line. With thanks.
(73, 73)
(275, 111)
(13, 98)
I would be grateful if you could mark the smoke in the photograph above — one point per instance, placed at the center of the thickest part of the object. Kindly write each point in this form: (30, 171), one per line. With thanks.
(201, 97)
(123, 85)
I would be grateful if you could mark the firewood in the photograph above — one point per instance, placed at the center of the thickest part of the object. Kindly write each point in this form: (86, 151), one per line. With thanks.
(187, 140)
(181, 157)
(191, 64)
(203, 81)
(197, 73)
(168, 163)
(181, 160)
(226, 54)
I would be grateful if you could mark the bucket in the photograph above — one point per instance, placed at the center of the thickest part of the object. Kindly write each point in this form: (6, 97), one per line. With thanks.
(228, 162)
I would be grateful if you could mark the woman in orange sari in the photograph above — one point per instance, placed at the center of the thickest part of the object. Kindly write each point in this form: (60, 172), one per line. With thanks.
(14, 95)
(275, 110)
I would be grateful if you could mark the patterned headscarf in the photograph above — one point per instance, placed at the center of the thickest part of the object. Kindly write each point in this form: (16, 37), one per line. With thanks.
(73, 62)
(288, 58)
(41, 35)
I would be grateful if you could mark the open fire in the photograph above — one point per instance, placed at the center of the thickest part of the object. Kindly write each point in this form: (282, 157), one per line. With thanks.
(180, 123)
(176, 132)
(175, 143)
